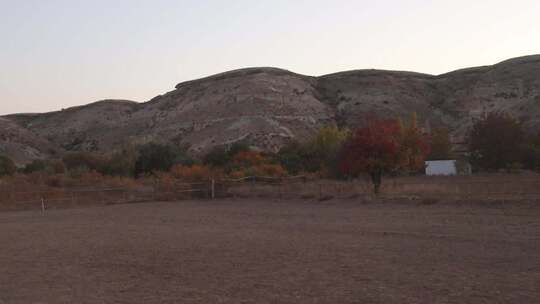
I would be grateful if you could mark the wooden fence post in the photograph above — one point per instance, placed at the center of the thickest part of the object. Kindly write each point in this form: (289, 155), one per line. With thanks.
(213, 188)
(252, 186)
(42, 206)
(280, 189)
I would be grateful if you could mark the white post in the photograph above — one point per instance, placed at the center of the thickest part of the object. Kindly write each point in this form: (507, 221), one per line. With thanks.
(42, 206)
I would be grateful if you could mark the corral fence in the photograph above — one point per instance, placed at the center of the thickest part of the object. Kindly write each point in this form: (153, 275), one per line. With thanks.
(456, 187)
(52, 198)
(281, 188)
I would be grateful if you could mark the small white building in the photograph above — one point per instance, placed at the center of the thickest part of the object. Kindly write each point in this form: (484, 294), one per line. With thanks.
(441, 167)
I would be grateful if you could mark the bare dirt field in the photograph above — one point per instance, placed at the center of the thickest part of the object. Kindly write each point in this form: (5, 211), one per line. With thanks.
(250, 251)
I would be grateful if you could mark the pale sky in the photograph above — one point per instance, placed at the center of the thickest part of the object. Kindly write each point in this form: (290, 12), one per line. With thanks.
(60, 53)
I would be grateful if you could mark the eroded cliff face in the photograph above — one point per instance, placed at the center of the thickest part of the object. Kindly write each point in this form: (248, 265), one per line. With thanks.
(269, 107)
(22, 145)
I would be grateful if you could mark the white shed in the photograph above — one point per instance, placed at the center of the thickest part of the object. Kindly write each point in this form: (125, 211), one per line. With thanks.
(441, 167)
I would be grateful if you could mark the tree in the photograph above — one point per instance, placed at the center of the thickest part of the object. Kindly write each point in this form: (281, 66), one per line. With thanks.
(84, 160)
(7, 167)
(414, 146)
(37, 165)
(221, 156)
(293, 157)
(154, 157)
(495, 141)
(530, 152)
(46, 166)
(441, 147)
(122, 162)
(326, 146)
(373, 149)
(381, 147)
(318, 154)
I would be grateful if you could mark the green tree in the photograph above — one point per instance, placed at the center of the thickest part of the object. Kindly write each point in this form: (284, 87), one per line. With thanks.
(221, 156)
(7, 167)
(530, 152)
(45, 166)
(155, 157)
(122, 162)
(318, 154)
(292, 157)
(327, 145)
(81, 161)
(495, 142)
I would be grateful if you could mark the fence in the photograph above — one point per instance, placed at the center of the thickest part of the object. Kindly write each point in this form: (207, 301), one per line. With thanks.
(70, 197)
(297, 187)
(457, 187)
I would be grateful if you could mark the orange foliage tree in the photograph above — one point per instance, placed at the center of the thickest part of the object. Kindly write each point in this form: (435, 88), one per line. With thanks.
(413, 146)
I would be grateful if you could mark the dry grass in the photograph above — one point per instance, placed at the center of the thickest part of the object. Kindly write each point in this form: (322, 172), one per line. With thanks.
(489, 187)
(26, 192)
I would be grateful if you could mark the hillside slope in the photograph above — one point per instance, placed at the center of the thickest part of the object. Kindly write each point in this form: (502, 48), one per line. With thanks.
(269, 107)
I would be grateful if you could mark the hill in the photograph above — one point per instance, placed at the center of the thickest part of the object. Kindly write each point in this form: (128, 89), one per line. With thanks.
(269, 107)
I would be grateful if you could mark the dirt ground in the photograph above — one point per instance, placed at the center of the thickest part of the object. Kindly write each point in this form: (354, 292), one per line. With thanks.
(251, 251)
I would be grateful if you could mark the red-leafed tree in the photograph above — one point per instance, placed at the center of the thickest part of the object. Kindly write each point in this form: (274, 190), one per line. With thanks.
(373, 149)
(383, 146)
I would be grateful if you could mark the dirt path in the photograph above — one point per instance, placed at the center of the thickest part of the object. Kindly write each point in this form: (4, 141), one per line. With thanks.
(272, 252)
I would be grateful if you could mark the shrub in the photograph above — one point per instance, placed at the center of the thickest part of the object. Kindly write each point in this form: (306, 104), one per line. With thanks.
(317, 155)
(494, 142)
(45, 166)
(221, 156)
(84, 160)
(293, 157)
(55, 181)
(248, 159)
(194, 173)
(154, 157)
(7, 167)
(217, 157)
(121, 163)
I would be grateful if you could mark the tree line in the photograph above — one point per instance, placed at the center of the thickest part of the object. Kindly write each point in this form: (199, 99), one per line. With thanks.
(496, 142)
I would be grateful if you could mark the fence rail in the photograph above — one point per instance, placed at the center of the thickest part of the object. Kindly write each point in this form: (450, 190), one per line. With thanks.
(295, 187)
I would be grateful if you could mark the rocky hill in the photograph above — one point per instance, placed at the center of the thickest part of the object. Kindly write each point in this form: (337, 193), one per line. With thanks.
(268, 107)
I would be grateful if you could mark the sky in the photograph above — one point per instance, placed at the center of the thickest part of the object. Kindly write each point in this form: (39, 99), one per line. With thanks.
(56, 54)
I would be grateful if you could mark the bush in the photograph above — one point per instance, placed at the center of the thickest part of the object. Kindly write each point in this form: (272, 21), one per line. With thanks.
(495, 141)
(7, 167)
(221, 156)
(84, 161)
(55, 181)
(154, 157)
(217, 157)
(194, 173)
(317, 155)
(293, 157)
(121, 163)
(45, 166)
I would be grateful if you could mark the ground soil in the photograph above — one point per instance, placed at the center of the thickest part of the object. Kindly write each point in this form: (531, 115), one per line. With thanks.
(251, 251)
